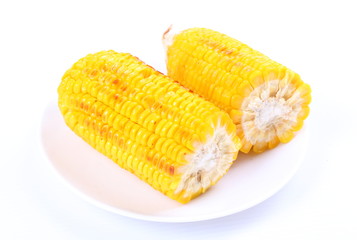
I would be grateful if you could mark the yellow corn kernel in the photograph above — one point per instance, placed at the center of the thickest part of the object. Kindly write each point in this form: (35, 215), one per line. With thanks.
(258, 93)
(144, 122)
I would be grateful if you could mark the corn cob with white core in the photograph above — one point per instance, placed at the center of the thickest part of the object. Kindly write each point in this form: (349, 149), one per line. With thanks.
(149, 125)
(267, 101)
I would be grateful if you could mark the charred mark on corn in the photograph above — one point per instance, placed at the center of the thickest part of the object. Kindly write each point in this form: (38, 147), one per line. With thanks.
(147, 123)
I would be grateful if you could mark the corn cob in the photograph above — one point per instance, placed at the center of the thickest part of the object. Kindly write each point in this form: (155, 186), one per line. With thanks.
(149, 125)
(267, 101)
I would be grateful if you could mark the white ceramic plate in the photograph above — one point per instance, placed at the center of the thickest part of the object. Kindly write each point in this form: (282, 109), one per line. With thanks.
(252, 178)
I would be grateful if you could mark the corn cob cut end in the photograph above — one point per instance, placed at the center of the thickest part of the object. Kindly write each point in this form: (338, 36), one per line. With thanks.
(271, 112)
(208, 163)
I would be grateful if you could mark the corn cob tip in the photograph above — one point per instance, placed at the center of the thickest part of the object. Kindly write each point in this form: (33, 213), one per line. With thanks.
(169, 34)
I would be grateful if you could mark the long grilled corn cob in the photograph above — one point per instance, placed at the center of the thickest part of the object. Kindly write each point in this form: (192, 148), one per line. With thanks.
(177, 142)
(267, 101)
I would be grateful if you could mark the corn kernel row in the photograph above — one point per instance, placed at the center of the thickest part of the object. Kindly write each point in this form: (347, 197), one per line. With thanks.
(138, 117)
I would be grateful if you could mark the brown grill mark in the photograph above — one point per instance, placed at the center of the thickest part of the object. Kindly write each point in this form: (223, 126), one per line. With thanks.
(218, 47)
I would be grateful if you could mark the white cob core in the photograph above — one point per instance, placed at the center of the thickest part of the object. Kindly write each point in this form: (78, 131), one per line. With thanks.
(208, 163)
(270, 110)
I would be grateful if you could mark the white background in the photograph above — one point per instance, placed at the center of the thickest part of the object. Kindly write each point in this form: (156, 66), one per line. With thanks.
(39, 40)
